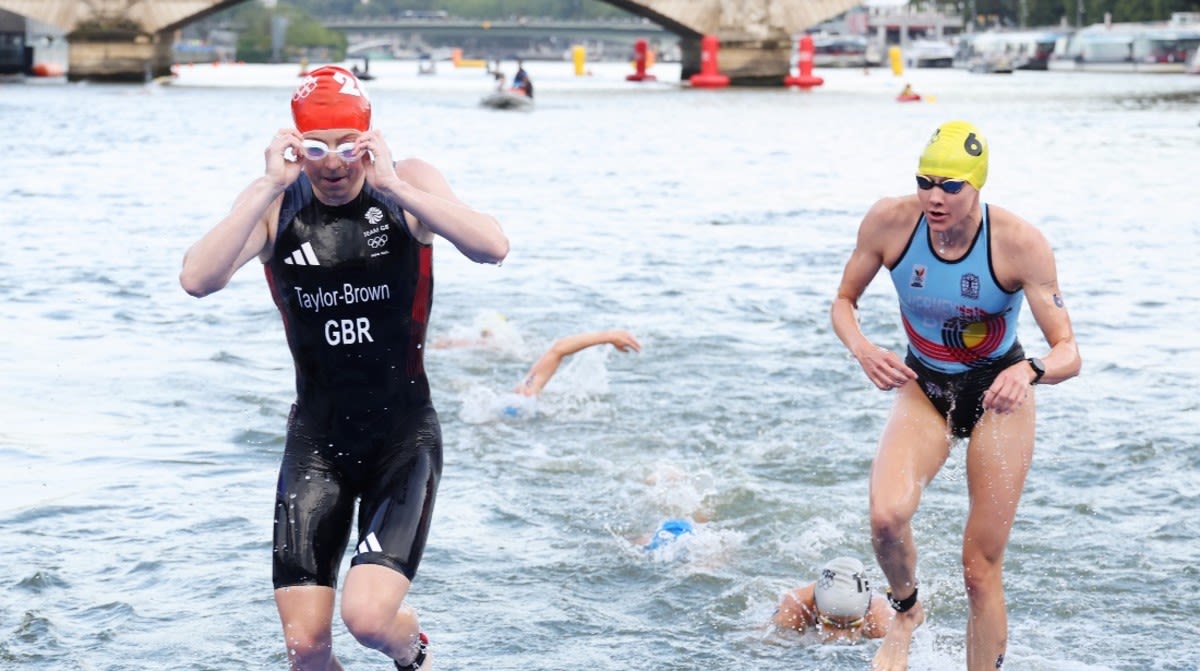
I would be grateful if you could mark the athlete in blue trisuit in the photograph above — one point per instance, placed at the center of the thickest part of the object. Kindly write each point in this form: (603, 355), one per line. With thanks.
(345, 235)
(961, 269)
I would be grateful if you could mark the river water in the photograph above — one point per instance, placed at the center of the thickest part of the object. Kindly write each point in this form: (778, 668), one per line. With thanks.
(142, 428)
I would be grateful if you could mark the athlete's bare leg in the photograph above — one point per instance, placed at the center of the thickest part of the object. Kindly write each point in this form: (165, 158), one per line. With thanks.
(914, 446)
(306, 613)
(998, 460)
(374, 611)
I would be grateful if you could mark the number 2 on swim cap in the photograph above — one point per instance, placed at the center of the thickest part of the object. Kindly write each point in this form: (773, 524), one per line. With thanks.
(349, 85)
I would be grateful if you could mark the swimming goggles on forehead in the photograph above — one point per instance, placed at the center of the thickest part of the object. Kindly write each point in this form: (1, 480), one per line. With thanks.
(951, 186)
(315, 150)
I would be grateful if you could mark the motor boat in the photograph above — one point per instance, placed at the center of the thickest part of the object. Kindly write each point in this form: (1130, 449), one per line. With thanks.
(507, 99)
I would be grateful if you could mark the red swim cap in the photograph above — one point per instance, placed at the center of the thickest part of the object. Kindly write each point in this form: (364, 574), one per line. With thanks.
(330, 98)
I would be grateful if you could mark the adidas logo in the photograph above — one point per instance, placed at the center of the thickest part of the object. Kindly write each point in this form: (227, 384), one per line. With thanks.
(370, 544)
(303, 256)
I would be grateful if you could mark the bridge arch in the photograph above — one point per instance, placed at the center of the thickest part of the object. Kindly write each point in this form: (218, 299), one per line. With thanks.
(647, 12)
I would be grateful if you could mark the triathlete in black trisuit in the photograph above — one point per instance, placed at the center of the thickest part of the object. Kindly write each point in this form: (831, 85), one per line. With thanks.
(346, 235)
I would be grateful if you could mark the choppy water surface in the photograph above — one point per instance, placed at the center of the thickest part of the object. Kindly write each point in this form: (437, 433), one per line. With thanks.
(142, 428)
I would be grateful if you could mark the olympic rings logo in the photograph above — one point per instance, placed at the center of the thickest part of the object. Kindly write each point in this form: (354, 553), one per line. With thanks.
(307, 87)
(377, 242)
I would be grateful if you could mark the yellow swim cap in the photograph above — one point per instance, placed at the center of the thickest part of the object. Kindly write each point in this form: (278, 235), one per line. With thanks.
(957, 150)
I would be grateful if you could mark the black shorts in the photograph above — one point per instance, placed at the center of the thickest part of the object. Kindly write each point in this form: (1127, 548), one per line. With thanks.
(392, 472)
(959, 396)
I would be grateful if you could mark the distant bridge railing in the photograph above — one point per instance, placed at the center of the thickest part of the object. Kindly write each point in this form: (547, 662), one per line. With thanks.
(532, 28)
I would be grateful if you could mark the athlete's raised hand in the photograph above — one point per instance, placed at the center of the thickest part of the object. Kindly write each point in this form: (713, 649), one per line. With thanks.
(283, 157)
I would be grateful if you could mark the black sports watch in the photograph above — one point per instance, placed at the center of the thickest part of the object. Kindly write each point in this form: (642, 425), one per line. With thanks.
(1039, 368)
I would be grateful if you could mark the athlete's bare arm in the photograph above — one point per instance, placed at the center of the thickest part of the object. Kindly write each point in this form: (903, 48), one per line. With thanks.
(245, 232)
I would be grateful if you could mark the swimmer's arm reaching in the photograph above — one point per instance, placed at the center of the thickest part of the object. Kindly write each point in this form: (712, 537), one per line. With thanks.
(544, 368)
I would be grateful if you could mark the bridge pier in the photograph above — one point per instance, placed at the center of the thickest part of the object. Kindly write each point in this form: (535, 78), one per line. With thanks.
(110, 54)
(747, 62)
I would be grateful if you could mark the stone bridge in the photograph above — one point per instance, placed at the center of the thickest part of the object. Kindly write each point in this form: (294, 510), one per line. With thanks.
(117, 40)
(125, 40)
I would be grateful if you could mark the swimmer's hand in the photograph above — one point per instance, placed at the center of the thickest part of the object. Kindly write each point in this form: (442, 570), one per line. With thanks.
(624, 341)
(282, 157)
(1009, 390)
(377, 160)
(884, 367)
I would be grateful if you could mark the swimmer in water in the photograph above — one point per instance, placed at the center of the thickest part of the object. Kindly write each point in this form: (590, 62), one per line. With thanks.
(523, 398)
(839, 606)
(543, 369)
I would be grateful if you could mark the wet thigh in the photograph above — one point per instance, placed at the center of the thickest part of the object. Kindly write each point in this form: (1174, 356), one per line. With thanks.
(914, 446)
(313, 515)
(999, 456)
(394, 517)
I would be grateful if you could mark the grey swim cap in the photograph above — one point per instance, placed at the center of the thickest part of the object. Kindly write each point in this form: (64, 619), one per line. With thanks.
(842, 589)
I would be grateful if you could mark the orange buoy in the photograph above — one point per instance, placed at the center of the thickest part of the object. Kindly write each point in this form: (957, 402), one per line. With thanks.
(804, 77)
(640, 49)
(709, 76)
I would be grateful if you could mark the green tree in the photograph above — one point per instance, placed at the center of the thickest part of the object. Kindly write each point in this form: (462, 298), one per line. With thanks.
(305, 35)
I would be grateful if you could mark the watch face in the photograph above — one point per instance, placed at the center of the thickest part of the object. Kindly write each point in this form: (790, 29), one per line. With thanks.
(1038, 367)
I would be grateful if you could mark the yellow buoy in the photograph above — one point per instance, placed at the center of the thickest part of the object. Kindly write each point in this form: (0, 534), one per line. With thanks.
(579, 56)
(896, 58)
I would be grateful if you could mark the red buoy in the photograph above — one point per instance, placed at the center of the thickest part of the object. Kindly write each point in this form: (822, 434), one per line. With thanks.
(804, 78)
(47, 70)
(709, 77)
(640, 49)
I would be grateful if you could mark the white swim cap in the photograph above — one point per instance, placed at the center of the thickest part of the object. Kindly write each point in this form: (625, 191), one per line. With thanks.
(842, 589)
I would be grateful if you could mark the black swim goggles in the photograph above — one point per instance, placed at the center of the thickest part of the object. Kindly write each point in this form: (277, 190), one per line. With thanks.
(950, 186)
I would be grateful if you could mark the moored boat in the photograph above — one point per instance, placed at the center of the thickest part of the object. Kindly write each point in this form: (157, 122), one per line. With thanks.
(929, 54)
(1126, 47)
(843, 51)
(1019, 50)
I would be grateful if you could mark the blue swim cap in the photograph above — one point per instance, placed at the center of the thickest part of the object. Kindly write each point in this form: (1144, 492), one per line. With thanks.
(668, 531)
(511, 411)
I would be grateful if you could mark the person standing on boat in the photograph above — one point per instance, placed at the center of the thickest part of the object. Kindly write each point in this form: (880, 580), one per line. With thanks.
(961, 269)
(346, 238)
(498, 76)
